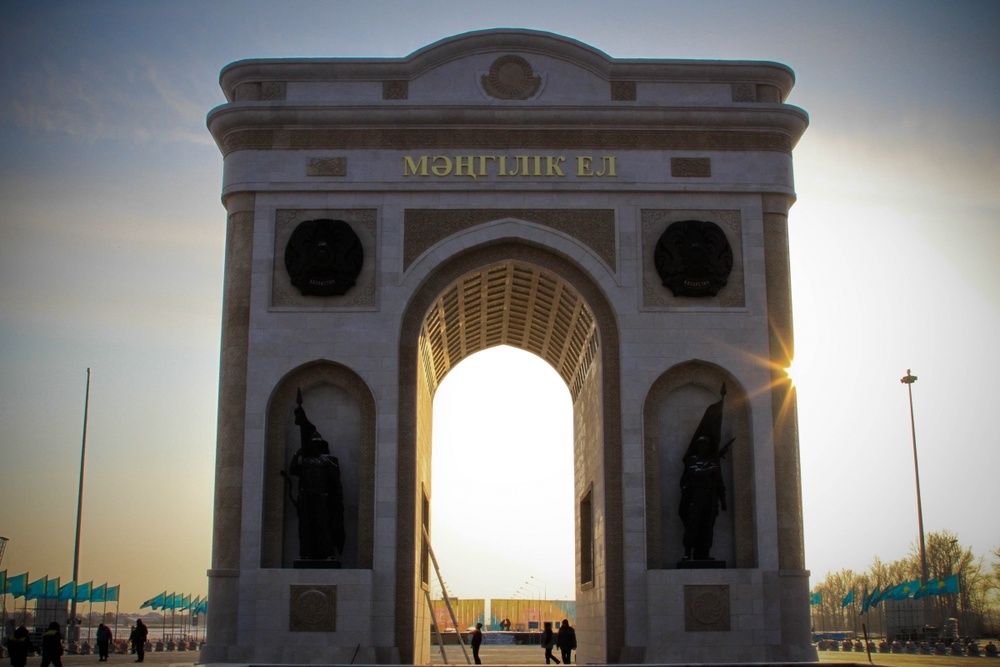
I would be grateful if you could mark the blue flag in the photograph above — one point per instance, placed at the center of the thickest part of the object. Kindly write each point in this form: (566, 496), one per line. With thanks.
(155, 602)
(906, 590)
(113, 593)
(17, 586)
(815, 598)
(867, 602)
(884, 595)
(52, 589)
(67, 591)
(99, 594)
(36, 589)
(83, 592)
(848, 599)
(942, 586)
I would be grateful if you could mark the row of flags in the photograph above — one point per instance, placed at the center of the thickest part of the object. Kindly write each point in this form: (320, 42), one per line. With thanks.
(177, 602)
(903, 591)
(20, 587)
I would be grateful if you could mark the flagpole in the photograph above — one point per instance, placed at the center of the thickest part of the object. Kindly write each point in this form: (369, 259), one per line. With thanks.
(79, 514)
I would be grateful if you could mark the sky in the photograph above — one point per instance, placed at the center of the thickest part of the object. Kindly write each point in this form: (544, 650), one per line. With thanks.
(111, 258)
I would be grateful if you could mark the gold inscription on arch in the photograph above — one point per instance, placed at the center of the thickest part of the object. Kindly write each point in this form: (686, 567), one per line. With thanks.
(485, 166)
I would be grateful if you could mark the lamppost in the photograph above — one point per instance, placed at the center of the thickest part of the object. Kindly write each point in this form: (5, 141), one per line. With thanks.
(545, 596)
(908, 380)
(538, 609)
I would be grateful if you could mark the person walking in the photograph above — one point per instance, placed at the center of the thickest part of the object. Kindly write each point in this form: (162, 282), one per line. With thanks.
(52, 648)
(549, 643)
(566, 641)
(19, 647)
(138, 639)
(477, 641)
(104, 638)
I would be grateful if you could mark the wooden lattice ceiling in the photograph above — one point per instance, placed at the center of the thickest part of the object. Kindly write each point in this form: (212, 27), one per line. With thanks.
(510, 304)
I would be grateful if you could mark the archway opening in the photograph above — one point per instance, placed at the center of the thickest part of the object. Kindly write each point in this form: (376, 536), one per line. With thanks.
(503, 498)
(527, 298)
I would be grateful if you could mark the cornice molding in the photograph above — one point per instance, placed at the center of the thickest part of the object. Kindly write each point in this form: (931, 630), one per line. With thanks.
(514, 41)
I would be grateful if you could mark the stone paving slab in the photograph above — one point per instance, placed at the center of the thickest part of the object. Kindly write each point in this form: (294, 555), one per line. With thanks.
(499, 656)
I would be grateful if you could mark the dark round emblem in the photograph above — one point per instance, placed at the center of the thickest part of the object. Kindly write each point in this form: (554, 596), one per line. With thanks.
(511, 78)
(324, 257)
(693, 258)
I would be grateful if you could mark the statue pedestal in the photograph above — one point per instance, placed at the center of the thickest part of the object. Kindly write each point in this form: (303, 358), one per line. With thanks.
(699, 564)
(316, 564)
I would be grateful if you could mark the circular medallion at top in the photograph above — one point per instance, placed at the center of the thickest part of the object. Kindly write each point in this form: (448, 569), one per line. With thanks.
(511, 78)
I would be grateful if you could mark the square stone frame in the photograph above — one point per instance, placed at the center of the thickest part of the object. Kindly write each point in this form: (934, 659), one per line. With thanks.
(363, 294)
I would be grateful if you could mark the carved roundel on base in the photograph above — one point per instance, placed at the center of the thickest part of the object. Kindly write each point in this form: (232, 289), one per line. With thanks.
(324, 257)
(312, 608)
(706, 608)
(694, 258)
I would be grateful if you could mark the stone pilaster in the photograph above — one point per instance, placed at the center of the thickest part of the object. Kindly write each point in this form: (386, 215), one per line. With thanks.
(224, 575)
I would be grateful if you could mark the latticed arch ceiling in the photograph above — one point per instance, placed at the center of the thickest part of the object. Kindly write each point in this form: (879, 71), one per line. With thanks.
(513, 304)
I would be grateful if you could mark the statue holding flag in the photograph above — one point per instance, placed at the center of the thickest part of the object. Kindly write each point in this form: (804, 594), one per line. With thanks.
(320, 499)
(703, 490)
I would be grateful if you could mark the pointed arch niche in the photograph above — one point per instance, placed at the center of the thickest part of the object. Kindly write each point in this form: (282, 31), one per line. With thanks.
(673, 408)
(341, 405)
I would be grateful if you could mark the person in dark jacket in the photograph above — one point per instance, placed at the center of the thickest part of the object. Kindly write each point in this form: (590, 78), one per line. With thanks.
(477, 641)
(138, 639)
(549, 642)
(19, 647)
(52, 648)
(104, 638)
(566, 641)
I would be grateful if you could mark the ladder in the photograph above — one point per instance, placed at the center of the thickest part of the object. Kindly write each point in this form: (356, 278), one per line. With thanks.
(447, 603)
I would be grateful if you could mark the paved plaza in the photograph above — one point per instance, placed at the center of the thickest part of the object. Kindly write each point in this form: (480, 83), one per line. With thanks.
(533, 655)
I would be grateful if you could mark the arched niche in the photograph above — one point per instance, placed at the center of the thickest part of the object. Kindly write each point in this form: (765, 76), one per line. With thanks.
(673, 408)
(342, 407)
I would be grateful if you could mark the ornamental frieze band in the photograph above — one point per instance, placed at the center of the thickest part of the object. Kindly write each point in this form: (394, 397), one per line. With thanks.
(499, 139)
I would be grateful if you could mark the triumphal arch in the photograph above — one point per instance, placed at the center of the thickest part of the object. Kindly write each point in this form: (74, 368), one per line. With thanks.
(623, 219)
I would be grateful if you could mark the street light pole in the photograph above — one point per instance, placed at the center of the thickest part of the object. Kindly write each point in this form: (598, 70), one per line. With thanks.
(545, 589)
(908, 380)
(538, 609)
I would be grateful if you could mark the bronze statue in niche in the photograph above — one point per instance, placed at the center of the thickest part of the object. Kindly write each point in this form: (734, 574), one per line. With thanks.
(319, 503)
(324, 257)
(693, 258)
(703, 490)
